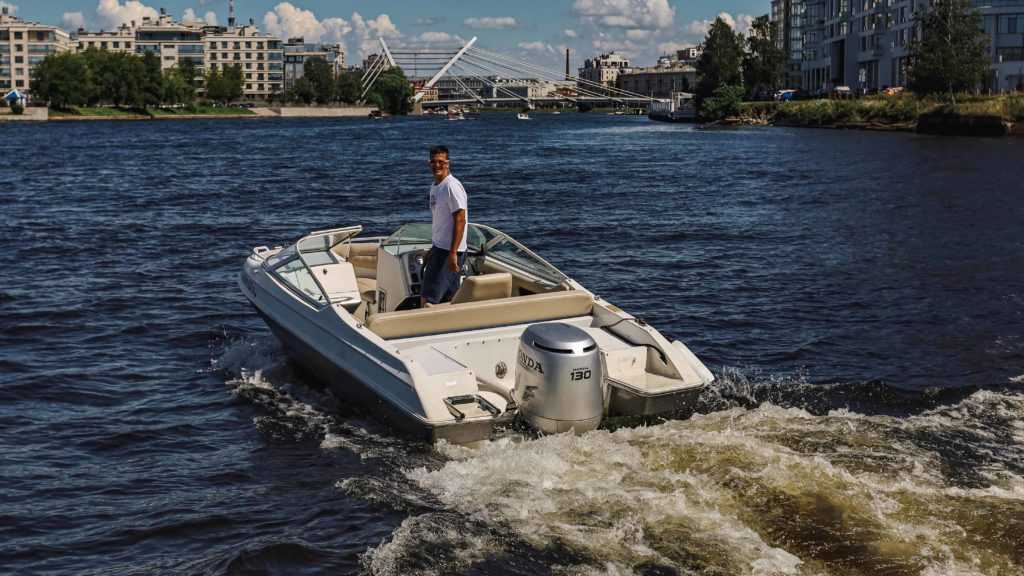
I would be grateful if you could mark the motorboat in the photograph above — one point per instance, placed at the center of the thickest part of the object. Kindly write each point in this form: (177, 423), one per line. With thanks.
(520, 341)
(523, 116)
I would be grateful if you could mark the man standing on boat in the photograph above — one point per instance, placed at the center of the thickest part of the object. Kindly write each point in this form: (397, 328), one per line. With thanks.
(448, 230)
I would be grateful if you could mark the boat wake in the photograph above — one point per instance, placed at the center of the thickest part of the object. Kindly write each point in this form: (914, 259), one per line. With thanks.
(777, 475)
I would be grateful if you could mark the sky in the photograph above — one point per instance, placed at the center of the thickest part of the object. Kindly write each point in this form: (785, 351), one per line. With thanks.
(534, 30)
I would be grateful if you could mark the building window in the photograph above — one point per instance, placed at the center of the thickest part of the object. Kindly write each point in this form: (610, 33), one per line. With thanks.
(248, 76)
(223, 45)
(213, 55)
(260, 87)
(17, 36)
(19, 47)
(19, 59)
(238, 56)
(248, 65)
(248, 45)
(19, 83)
(237, 46)
(259, 45)
(127, 45)
(213, 45)
(248, 86)
(103, 45)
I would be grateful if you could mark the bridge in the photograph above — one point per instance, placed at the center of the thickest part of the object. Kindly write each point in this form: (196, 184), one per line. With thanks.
(471, 75)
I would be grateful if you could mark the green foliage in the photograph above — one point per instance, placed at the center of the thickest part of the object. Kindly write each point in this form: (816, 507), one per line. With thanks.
(724, 103)
(764, 62)
(64, 80)
(348, 86)
(176, 87)
(225, 86)
(302, 91)
(392, 92)
(1015, 108)
(950, 56)
(720, 63)
(892, 110)
(152, 81)
(317, 72)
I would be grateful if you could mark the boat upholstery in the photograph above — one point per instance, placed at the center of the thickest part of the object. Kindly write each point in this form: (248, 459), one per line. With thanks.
(362, 256)
(367, 288)
(484, 287)
(482, 314)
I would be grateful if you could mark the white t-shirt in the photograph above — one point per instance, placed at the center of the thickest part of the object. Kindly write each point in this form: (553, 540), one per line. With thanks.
(447, 198)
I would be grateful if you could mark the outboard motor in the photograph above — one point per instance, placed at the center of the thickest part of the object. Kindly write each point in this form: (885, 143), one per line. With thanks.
(559, 379)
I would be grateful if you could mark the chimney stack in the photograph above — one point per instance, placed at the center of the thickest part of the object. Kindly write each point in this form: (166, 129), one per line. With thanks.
(5, 10)
(231, 13)
(567, 75)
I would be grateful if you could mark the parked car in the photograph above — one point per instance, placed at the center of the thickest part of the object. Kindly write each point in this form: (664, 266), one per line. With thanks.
(785, 95)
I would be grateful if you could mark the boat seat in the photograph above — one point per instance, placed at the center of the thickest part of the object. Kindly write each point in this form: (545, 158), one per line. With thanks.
(482, 314)
(362, 256)
(367, 288)
(484, 287)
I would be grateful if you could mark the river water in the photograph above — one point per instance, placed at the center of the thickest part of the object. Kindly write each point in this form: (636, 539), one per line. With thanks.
(859, 297)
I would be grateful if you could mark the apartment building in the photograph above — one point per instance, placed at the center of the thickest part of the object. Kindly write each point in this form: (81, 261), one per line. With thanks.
(170, 41)
(864, 44)
(604, 69)
(120, 40)
(260, 56)
(788, 18)
(297, 51)
(23, 45)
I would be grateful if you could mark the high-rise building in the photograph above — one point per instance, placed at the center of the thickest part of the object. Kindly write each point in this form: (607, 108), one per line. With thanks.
(23, 45)
(788, 18)
(864, 44)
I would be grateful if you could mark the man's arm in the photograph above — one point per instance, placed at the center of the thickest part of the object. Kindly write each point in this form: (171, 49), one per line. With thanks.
(459, 218)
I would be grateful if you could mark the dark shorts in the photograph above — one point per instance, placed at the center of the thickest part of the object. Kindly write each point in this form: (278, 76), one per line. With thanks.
(440, 283)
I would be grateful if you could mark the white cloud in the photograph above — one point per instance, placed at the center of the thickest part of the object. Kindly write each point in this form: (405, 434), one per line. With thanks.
(672, 47)
(210, 18)
(189, 15)
(638, 34)
(491, 22)
(627, 13)
(436, 37)
(11, 8)
(72, 21)
(288, 21)
(111, 13)
(569, 33)
(537, 46)
(370, 31)
(429, 20)
(741, 23)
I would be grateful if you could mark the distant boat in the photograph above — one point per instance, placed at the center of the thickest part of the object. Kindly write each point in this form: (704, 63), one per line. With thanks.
(376, 115)
(556, 112)
(522, 116)
(678, 108)
(456, 116)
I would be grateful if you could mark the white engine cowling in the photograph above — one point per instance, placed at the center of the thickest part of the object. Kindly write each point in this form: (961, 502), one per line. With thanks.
(559, 379)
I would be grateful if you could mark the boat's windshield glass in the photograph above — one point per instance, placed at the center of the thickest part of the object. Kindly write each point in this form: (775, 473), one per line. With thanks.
(297, 275)
(480, 240)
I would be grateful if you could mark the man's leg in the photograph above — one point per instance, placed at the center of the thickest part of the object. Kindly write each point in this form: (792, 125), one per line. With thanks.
(434, 283)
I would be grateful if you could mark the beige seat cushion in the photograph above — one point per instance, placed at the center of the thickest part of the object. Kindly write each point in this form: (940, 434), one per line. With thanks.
(484, 287)
(366, 285)
(362, 256)
(483, 314)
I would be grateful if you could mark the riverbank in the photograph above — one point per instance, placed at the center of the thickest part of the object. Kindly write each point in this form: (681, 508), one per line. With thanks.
(969, 116)
(190, 113)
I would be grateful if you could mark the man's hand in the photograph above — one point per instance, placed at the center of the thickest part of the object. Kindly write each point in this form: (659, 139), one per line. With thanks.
(453, 261)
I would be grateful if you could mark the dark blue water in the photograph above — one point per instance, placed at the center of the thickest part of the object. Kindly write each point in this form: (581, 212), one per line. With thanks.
(860, 297)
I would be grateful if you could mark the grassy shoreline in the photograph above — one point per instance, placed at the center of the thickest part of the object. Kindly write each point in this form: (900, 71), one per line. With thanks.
(118, 113)
(893, 113)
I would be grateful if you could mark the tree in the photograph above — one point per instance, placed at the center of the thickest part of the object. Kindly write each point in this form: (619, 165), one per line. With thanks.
(302, 91)
(234, 83)
(949, 53)
(392, 92)
(348, 87)
(321, 79)
(723, 103)
(215, 89)
(764, 62)
(720, 63)
(152, 88)
(64, 80)
(176, 88)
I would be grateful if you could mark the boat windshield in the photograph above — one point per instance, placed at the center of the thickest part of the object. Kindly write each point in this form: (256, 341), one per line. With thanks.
(481, 240)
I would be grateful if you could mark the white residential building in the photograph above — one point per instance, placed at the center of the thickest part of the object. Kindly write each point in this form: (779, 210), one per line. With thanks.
(23, 45)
